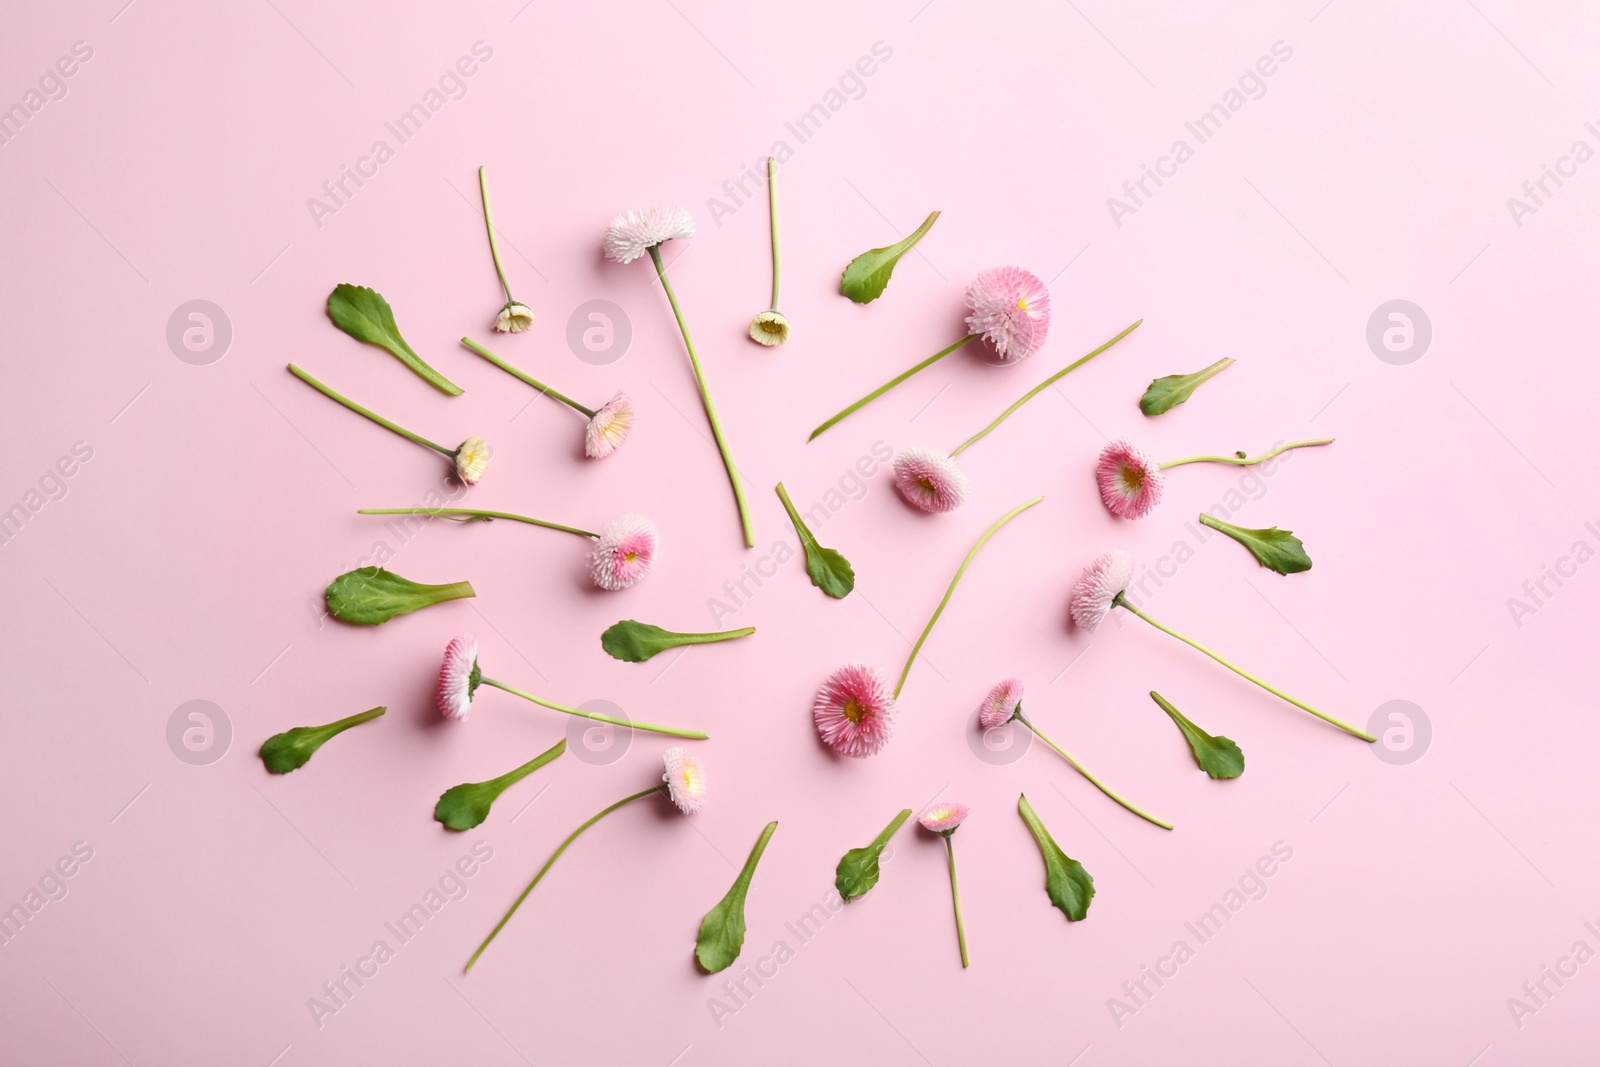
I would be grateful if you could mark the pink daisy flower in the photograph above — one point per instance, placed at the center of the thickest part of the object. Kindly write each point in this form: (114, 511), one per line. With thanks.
(609, 427)
(1130, 480)
(624, 552)
(1101, 583)
(854, 712)
(929, 481)
(1011, 310)
(633, 234)
(1001, 705)
(458, 678)
(686, 780)
(942, 817)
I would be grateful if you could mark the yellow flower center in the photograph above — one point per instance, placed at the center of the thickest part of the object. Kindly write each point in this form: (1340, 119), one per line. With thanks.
(854, 711)
(1022, 303)
(629, 557)
(1132, 477)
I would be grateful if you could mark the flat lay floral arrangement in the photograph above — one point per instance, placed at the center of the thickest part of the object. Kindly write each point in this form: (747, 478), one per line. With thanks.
(855, 710)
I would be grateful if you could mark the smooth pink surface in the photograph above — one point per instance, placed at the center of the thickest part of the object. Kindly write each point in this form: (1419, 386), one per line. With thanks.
(187, 557)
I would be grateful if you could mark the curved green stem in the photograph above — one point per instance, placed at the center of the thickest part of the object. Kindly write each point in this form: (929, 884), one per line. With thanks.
(955, 895)
(772, 213)
(549, 863)
(890, 384)
(705, 400)
(494, 245)
(1036, 390)
(331, 394)
(536, 383)
(1242, 461)
(1246, 675)
(926, 630)
(672, 731)
(475, 513)
(1098, 784)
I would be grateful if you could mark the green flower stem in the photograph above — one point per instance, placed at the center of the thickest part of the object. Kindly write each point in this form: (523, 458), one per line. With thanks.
(1241, 461)
(876, 393)
(1036, 390)
(550, 862)
(373, 415)
(1098, 784)
(705, 399)
(471, 514)
(794, 516)
(1007, 517)
(772, 213)
(1121, 601)
(494, 245)
(536, 383)
(595, 715)
(955, 895)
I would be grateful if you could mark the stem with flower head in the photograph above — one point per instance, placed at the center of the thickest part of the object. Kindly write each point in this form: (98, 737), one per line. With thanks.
(1036, 390)
(955, 895)
(1121, 600)
(551, 862)
(673, 731)
(705, 400)
(494, 245)
(515, 372)
(1239, 459)
(331, 394)
(477, 515)
(1081, 769)
(772, 214)
(926, 630)
(890, 384)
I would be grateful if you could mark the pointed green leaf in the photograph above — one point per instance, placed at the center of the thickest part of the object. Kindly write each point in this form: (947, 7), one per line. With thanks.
(1070, 886)
(858, 870)
(1167, 393)
(1275, 549)
(722, 930)
(829, 570)
(371, 595)
(1217, 756)
(365, 315)
(867, 275)
(634, 642)
(462, 807)
(289, 751)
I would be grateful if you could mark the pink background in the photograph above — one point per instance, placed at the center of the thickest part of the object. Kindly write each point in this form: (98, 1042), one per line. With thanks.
(186, 557)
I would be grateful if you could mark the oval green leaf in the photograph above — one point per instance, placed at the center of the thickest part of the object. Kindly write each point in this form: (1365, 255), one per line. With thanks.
(462, 807)
(722, 930)
(365, 315)
(1275, 549)
(868, 274)
(1164, 394)
(290, 750)
(634, 642)
(1069, 886)
(1218, 756)
(858, 869)
(371, 596)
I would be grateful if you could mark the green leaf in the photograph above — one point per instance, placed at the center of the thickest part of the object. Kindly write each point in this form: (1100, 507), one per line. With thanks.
(371, 595)
(464, 806)
(1069, 885)
(1217, 756)
(1275, 549)
(634, 642)
(722, 930)
(365, 315)
(1167, 393)
(291, 749)
(858, 870)
(829, 571)
(867, 275)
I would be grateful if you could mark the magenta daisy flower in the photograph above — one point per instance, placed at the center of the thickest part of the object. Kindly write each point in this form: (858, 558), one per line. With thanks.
(1101, 583)
(685, 778)
(1011, 310)
(1001, 705)
(854, 712)
(624, 552)
(1130, 480)
(458, 677)
(929, 481)
(609, 427)
(942, 817)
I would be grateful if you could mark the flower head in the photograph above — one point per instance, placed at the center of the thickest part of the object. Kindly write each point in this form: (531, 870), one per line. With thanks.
(623, 552)
(854, 712)
(609, 427)
(471, 460)
(1001, 705)
(769, 328)
(1130, 481)
(1011, 310)
(513, 318)
(1101, 583)
(929, 480)
(942, 817)
(632, 235)
(458, 678)
(685, 778)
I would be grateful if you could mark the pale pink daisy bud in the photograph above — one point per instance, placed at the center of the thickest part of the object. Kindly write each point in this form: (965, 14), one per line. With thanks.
(1001, 705)
(609, 427)
(633, 234)
(686, 780)
(513, 318)
(1130, 480)
(769, 328)
(1010, 310)
(471, 460)
(458, 678)
(623, 552)
(1101, 583)
(854, 712)
(942, 817)
(929, 480)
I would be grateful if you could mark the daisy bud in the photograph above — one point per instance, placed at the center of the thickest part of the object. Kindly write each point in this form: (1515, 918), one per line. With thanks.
(513, 318)
(471, 460)
(769, 328)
